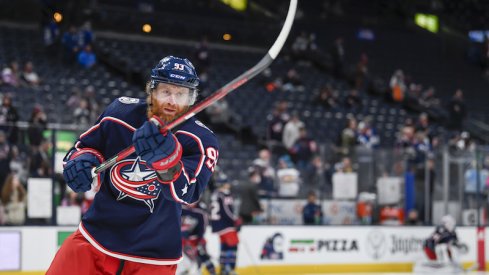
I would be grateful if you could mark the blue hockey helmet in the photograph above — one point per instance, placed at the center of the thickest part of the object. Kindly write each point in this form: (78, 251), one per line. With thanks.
(177, 71)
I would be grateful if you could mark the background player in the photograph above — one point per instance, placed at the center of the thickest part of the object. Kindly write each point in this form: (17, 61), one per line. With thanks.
(225, 224)
(194, 223)
(438, 247)
(133, 225)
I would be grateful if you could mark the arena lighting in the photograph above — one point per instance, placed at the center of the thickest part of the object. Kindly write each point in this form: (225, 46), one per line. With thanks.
(427, 21)
(147, 28)
(227, 37)
(58, 17)
(239, 5)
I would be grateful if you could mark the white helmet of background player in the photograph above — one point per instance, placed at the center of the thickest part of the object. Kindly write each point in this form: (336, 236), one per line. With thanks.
(448, 222)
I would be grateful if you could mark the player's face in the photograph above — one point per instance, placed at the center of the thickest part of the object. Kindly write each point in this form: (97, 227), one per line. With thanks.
(169, 101)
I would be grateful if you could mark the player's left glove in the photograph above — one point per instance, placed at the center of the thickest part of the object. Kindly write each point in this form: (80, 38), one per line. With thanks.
(160, 149)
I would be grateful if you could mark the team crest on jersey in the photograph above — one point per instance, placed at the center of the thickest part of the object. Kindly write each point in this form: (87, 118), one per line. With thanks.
(133, 179)
(128, 100)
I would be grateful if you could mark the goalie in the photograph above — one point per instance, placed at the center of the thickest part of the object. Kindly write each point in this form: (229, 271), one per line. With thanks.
(442, 249)
(439, 246)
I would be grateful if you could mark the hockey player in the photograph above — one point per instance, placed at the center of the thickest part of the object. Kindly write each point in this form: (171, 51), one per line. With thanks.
(225, 224)
(445, 238)
(133, 224)
(194, 223)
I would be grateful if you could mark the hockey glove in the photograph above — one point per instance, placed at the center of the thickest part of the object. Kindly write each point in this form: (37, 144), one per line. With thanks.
(160, 149)
(78, 172)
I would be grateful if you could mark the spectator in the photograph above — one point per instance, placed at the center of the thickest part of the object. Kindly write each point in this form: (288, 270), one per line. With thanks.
(293, 82)
(352, 100)
(338, 54)
(300, 45)
(30, 77)
(8, 119)
(267, 173)
(275, 128)
(86, 34)
(327, 97)
(413, 218)
(74, 99)
(367, 136)
(14, 196)
(50, 35)
(4, 158)
(18, 164)
(82, 114)
(406, 135)
(303, 150)
(221, 117)
(87, 58)
(317, 176)
(40, 165)
(11, 75)
(93, 105)
(291, 131)
(462, 142)
(457, 111)
(312, 214)
(345, 166)
(398, 86)
(361, 72)
(37, 125)
(423, 124)
(288, 177)
(349, 137)
(70, 43)
(250, 206)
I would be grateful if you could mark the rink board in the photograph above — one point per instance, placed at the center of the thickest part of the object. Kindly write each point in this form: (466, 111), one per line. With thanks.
(268, 249)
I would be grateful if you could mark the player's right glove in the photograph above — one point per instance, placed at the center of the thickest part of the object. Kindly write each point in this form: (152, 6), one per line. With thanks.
(160, 149)
(78, 172)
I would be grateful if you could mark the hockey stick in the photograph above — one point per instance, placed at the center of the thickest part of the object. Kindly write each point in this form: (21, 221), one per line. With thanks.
(223, 91)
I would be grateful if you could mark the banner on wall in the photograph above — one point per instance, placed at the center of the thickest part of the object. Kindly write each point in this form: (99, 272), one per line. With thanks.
(289, 212)
(39, 198)
(345, 186)
(339, 212)
(389, 190)
(285, 212)
(10, 256)
(339, 245)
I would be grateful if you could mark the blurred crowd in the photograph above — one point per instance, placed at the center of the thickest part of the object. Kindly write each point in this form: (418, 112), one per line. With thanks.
(290, 164)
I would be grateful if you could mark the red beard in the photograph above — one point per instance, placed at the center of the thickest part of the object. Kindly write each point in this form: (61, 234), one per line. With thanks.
(157, 108)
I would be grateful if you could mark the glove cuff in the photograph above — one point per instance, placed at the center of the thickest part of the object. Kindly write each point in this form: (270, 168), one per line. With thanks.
(170, 175)
(93, 156)
(82, 152)
(172, 160)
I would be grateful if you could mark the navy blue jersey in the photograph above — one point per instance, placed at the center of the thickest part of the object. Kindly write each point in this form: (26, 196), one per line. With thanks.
(134, 216)
(442, 235)
(312, 214)
(194, 221)
(222, 212)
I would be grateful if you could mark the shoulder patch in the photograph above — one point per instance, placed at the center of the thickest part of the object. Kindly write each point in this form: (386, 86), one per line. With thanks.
(128, 100)
(201, 125)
